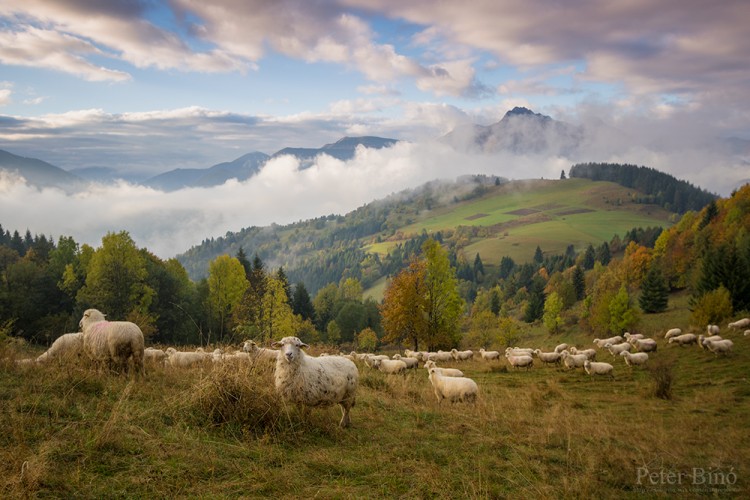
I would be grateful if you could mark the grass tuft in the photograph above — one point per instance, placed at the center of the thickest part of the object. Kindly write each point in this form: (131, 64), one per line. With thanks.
(662, 373)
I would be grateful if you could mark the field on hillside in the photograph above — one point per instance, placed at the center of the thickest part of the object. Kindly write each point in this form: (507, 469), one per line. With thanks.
(545, 213)
(543, 433)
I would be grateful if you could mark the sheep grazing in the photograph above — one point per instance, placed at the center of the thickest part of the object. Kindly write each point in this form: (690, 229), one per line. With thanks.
(573, 360)
(561, 347)
(590, 353)
(410, 362)
(520, 361)
(646, 345)
(672, 333)
(112, 342)
(445, 372)
(638, 358)
(684, 339)
(548, 357)
(153, 355)
(597, 368)
(66, 348)
(454, 389)
(713, 330)
(462, 355)
(719, 346)
(309, 381)
(184, 359)
(603, 342)
(616, 349)
(389, 366)
(740, 324)
(489, 355)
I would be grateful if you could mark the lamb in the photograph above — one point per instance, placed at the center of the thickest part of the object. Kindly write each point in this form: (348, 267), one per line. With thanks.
(561, 347)
(646, 345)
(445, 372)
(548, 357)
(713, 329)
(454, 389)
(112, 342)
(573, 360)
(639, 358)
(462, 355)
(612, 340)
(616, 349)
(719, 346)
(672, 333)
(590, 353)
(309, 381)
(740, 324)
(684, 339)
(184, 359)
(389, 366)
(67, 347)
(521, 361)
(598, 368)
(489, 355)
(410, 362)
(153, 355)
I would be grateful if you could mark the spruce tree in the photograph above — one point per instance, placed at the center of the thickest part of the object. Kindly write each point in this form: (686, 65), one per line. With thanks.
(535, 307)
(588, 258)
(538, 255)
(579, 283)
(654, 291)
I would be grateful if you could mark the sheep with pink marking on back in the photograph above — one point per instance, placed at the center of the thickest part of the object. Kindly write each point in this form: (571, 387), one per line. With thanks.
(114, 343)
(310, 381)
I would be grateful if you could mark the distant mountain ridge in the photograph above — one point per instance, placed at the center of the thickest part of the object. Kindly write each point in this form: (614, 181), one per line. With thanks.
(521, 131)
(38, 172)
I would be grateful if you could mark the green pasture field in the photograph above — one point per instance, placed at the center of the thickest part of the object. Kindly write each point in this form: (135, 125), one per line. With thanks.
(219, 431)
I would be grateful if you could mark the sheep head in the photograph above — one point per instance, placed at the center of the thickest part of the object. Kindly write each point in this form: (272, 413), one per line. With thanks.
(290, 348)
(91, 316)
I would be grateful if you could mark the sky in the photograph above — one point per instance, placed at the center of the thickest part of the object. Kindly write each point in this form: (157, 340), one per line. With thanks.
(147, 86)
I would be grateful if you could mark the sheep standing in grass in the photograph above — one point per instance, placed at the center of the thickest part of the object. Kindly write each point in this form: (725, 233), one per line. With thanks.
(713, 330)
(309, 381)
(548, 357)
(112, 342)
(684, 339)
(719, 346)
(616, 349)
(701, 338)
(603, 342)
(520, 361)
(672, 333)
(154, 356)
(445, 372)
(390, 366)
(66, 348)
(462, 355)
(489, 355)
(185, 359)
(597, 368)
(646, 345)
(410, 362)
(638, 358)
(454, 389)
(631, 337)
(740, 324)
(573, 360)
(561, 347)
(590, 353)
(261, 353)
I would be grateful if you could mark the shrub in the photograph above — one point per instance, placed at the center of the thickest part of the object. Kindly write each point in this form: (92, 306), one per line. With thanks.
(662, 374)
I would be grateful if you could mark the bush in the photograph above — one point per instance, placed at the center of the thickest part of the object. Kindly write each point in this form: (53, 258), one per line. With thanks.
(662, 374)
(712, 308)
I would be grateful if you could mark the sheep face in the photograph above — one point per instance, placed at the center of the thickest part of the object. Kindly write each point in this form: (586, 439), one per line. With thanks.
(91, 316)
(290, 348)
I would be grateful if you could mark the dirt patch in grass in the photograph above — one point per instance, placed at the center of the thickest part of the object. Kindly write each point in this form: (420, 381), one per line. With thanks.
(476, 216)
(574, 211)
(523, 211)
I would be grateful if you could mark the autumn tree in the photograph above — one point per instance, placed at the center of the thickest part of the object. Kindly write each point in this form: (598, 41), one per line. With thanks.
(621, 312)
(367, 340)
(277, 319)
(444, 304)
(226, 286)
(404, 306)
(553, 306)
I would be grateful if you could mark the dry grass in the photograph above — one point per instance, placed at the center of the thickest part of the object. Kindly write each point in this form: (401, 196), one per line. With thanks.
(222, 432)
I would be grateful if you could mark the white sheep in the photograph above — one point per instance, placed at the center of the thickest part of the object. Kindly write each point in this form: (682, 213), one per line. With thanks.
(548, 357)
(638, 358)
(684, 339)
(454, 389)
(154, 355)
(309, 381)
(389, 366)
(598, 368)
(66, 348)
(261, 353)
(410, 362)
(590, 353)
(673, 332)
(440, 356)
(573, 360)
(719, 346)
(445, 372)
(632, 337)
(740, 324)
(489, 355)
(747, 333)
(701, 338)
(713, 330)
(646, 345)
(462, 355)
(616, 349)
(519, 351)
(561, 347)
(369, 358)
(520, 361)
(184, 359)
(112, 342)
(603, 342)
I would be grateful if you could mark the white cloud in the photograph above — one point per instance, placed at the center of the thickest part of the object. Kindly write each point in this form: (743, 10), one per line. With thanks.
(5, 98)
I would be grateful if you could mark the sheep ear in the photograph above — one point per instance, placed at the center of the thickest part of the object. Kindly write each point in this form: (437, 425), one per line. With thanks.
(276, 344)
(302, 344)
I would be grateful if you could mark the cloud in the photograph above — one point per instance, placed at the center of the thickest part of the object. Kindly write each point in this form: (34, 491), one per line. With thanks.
(5, 98)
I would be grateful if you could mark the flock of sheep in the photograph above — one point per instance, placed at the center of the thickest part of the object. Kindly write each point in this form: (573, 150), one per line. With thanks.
(325, 380)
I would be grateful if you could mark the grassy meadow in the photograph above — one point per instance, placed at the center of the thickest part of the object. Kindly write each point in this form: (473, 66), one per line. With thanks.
(543, 433)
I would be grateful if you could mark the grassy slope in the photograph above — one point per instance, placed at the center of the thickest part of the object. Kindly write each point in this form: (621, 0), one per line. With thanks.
(544, 433)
